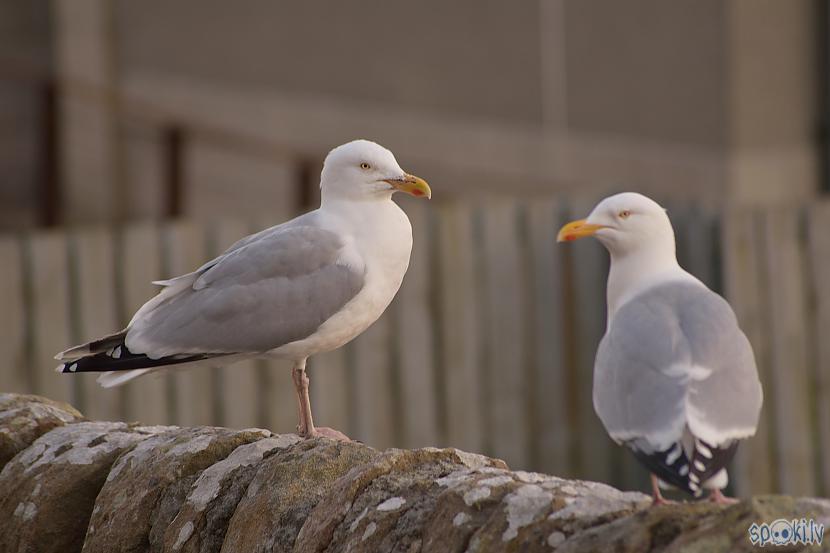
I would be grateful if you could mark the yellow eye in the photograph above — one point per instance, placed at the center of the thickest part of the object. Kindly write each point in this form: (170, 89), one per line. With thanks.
(624, 214)
(365, 165)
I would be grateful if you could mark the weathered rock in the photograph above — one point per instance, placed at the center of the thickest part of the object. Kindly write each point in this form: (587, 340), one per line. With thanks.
(49, 489)
(285, 489)
(146, 486)
(397, 482)
(23, 419)
(203, 519)
(436, 500)
(697, 527)
(118, 487)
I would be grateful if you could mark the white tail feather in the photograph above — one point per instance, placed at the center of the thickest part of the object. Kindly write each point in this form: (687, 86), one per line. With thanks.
(112, 379)
(75, 352)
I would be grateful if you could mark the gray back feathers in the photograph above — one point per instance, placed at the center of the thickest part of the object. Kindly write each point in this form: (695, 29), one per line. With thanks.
(267, 290)
(674, 349)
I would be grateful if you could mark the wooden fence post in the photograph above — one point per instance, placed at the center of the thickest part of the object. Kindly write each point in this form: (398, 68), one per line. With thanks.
(459, 317)
(743, 266)
(506, 332)
(413, 325)
(790, 358)
(97, 313)
(819, 241)
(14, 375)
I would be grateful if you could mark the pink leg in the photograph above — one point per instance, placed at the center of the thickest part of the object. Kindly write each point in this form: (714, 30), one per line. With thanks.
(715, 496)
(657, 497)
(306, 428)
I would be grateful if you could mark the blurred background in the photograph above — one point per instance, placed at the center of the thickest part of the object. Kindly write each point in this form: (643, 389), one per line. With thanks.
(139, 138)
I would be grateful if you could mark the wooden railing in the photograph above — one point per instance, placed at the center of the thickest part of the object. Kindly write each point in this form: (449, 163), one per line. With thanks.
(489, 345)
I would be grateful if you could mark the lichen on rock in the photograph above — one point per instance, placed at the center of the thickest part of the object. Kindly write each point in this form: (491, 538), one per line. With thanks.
(50, 488)
(148, 485)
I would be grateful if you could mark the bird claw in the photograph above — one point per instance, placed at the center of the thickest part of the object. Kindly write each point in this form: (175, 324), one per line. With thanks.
(718, 498)
(326, 432)
(333, 434)
(657, 501)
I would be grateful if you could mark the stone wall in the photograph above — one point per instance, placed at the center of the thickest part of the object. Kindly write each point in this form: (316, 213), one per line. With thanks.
(69, 484)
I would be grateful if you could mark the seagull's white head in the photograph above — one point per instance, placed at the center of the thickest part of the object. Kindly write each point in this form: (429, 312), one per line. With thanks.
(363, 170)
(626, 223)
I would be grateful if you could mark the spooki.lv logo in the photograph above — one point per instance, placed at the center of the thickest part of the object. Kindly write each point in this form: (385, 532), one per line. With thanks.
(787, 532)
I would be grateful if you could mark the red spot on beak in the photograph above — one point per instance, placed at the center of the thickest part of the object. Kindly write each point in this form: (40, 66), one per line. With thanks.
(570, 238)
(417, 193)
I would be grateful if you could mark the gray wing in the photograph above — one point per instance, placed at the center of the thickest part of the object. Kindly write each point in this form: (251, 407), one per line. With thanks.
(675, 356)
(268, 290)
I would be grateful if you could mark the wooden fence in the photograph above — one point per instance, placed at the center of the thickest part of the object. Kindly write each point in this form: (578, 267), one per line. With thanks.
(488, 347)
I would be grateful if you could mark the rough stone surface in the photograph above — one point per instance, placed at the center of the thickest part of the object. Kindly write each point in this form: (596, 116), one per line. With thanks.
(370, 499)
(147, 485)
(203, 518)
(118, 487)
(48, 490)
(23, 419)
(285, 489)
(698, 527)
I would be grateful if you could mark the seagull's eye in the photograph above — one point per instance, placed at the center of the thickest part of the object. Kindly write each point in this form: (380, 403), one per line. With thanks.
(624, 214)
(365, 166)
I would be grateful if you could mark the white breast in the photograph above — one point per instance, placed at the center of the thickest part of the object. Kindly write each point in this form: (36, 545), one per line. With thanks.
(381, 236)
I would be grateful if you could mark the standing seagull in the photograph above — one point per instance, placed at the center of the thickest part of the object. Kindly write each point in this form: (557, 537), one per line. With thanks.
(674, 377)
(300, 288)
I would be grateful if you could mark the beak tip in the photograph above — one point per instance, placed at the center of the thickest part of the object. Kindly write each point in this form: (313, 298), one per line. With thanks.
(412, 185)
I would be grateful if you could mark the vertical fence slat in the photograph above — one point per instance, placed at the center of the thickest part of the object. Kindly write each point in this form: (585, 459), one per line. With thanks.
(185, 250)
(506, 332)
(551, 428)
(97, 314)
(50, 313)
(141, 264)
(413, 328)
(239, 383)
(375, 414)
(589, 262)
(819, 236)
(277, 393)
(330, 387)
(460, 318)
(13, 377)
(699, 235)
(785, 270)
(754, 467)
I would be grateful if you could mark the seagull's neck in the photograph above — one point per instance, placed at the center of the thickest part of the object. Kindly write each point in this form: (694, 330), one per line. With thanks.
(632, 272)
(359, 209)
(380, 231)
(379, 221)
(335, 197)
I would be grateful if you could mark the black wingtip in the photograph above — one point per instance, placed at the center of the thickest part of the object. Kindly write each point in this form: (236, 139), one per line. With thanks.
(708, 460)
(670, 465)
(674, 467)
(121, 359)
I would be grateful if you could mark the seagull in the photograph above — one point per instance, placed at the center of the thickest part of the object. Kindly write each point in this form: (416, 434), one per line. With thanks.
(675, 379)
(307, 286)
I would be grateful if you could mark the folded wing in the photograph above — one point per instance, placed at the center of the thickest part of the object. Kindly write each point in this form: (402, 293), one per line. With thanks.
(267, 292)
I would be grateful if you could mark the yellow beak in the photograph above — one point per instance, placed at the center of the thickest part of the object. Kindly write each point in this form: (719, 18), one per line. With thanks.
(411, 184)
(576, 230)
